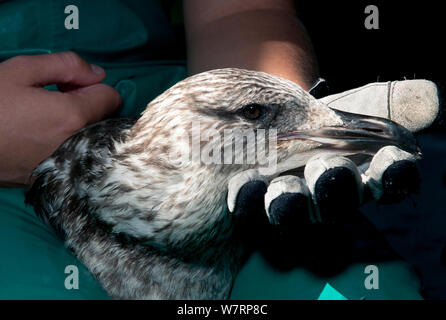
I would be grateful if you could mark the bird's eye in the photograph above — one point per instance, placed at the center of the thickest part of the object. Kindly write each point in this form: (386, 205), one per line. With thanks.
(252, 111)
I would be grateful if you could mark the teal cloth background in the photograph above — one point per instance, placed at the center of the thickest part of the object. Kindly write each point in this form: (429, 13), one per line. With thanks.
(32, 258)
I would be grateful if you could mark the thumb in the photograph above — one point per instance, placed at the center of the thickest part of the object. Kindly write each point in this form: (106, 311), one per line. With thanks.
(56, 68)
(94, 102)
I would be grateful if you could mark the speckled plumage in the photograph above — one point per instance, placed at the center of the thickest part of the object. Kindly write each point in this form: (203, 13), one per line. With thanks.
(151, 229)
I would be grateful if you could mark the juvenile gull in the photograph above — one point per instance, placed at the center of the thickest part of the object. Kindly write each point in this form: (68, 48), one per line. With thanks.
(151, 229)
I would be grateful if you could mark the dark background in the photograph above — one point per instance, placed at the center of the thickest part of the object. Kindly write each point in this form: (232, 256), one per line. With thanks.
(407, 45)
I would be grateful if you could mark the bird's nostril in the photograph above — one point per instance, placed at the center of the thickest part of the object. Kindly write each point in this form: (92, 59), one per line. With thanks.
(377, 130)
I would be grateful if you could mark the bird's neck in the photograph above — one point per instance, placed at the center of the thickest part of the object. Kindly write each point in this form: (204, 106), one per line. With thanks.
(133, 271)
(176, 209)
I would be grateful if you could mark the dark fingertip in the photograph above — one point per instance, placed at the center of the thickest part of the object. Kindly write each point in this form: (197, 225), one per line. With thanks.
(400, 180)
(337, 195)
(289, 212)
(251, 222)
(250, 198)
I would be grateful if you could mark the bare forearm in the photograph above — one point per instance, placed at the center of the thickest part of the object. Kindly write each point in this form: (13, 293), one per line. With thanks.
(261, 35)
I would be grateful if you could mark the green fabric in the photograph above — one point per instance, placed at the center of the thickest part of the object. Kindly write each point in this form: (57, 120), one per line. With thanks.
(40, 24)
(140, 83)
(258, 280)
(32, 258)
(104, 28)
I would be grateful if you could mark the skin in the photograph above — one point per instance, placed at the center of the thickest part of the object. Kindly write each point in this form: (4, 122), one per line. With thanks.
(35, 121)
(265, 34)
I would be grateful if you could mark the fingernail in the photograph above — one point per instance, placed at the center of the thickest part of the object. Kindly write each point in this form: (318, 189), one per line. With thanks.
(97, 69)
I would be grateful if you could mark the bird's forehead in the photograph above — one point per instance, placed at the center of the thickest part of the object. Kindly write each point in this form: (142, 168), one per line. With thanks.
(231, 78)
(225, 78)
(232, 87)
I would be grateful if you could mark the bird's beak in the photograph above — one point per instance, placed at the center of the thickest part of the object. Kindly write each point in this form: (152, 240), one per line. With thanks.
(358, 134)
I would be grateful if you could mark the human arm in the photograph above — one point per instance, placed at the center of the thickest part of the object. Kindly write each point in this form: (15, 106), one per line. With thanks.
(261, 35)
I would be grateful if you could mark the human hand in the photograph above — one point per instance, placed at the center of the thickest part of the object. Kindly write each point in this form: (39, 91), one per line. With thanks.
(35, 121)
(331, 187)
